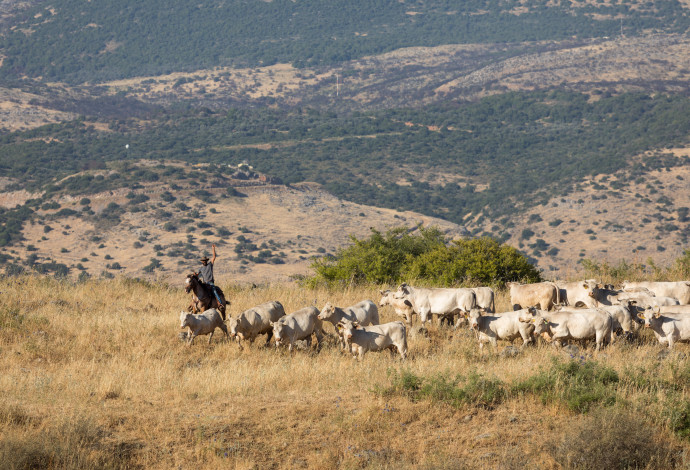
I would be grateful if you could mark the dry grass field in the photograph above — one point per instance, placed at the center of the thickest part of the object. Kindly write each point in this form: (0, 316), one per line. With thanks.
(94, 375)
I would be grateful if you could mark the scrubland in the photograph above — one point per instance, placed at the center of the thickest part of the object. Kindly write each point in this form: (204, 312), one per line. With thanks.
(94, 375)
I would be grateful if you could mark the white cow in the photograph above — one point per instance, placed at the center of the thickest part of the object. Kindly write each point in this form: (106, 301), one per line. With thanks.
(438, 301)
(364, 313)
(299, 325)
(374, 337)
(506, 326)
(647, 300)
(678, 290)
(202, 324)
(684, 309)
(485, 298)
(668, 328)
(577, 324)
(256, 321)
(578, 294)
(399, 306)
(543, 295)
(623, 315)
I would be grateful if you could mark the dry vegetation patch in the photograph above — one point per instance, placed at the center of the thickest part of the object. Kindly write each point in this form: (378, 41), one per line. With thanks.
(94, 375)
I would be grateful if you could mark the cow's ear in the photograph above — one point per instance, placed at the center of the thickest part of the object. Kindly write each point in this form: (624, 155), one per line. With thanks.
(408, 303)
(657, 312)
(585, 285)
(355, 324)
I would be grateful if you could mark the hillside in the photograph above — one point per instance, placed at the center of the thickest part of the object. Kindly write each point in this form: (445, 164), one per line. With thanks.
(265, 232)
(268, 232)
(80, 42)
(497, 118)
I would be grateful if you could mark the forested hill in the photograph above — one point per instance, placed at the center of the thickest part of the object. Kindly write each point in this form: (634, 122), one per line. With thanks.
(503, 153)
(82, 41)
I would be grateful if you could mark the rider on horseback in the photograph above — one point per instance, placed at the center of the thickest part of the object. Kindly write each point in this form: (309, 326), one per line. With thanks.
(206, 272)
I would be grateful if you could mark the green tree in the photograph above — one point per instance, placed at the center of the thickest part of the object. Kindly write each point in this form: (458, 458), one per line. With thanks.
(425, 257)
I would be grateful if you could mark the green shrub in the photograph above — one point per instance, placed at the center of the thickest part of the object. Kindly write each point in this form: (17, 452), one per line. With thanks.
(400, 256)
(579, 384)
(475, 389)
(676, 414)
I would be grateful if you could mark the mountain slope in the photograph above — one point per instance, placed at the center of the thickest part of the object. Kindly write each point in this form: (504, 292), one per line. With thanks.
(80, 41)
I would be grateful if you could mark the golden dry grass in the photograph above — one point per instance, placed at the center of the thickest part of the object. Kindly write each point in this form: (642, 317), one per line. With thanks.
(94, 375)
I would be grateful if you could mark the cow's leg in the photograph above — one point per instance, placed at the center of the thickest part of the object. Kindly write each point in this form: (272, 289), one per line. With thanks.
(191, 338)
(225, 330)
(493, 341)
(269, 335)
(210, 336)
(362, 352)
(403, 351)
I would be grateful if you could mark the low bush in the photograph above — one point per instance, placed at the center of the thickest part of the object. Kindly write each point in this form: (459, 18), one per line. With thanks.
(612, 438)
(578, 384)
(475, 389)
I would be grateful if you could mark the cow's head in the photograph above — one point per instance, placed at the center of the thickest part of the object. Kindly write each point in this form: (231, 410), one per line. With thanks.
(346, 327)
(232, 327)
(403, 290)
(650, 315)
(473, 317)
(327, 311)
(184, 319)
(278, 331)
(385, 298)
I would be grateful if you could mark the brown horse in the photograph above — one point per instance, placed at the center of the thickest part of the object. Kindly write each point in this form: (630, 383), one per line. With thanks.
(202, 296)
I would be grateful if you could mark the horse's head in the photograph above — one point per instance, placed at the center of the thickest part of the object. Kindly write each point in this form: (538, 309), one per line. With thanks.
(191, 281)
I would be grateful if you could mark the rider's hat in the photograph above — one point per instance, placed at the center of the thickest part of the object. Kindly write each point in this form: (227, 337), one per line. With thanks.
(205, 258)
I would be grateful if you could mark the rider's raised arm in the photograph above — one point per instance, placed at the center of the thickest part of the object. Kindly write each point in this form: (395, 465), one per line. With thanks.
(213, 249)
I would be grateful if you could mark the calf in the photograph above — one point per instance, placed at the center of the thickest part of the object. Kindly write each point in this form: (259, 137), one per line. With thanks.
(399, 306)
(669, 328)
(256, 321)
(202, 324)
(299, 325)
(375, 337)
(543, 295)
(439, 301)
(623, 315)
(506, 326)
(576, 324)
(364, 313)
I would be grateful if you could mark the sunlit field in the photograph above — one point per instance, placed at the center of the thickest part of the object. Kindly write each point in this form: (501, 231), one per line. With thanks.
(95, 375)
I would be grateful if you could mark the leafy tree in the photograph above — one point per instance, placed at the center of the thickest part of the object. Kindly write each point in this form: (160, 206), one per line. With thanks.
(399, 256)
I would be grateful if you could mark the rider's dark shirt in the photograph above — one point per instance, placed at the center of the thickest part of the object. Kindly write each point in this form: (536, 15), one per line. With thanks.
(206, 272)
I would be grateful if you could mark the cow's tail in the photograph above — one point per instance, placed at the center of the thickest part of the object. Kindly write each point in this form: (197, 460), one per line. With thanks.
(558, 293)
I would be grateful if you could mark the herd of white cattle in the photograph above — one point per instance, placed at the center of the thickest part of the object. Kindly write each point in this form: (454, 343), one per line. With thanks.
(559, 312)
